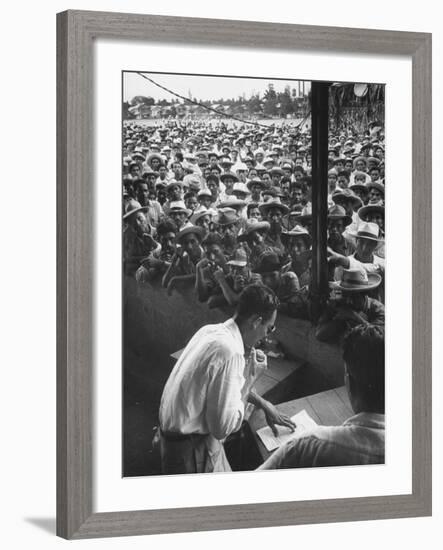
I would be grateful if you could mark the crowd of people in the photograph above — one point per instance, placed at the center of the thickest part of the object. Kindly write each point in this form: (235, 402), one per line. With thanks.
(215, 207)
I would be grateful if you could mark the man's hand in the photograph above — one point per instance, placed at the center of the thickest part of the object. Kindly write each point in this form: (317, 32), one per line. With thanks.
(218, 274)
(273, 418)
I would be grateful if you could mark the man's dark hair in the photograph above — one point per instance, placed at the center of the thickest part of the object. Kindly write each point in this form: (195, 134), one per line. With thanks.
(212, 238)
(166, 226)
(189, 195)
(364, 355)
(137, 182)
(344, 174)
(256, 299)
(250, 206)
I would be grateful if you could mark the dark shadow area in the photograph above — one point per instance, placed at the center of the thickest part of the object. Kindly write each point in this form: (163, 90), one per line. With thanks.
(45, 524)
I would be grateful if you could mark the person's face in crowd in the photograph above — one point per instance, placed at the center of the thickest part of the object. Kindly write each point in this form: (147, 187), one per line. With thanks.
(214, 253)
(360, 166)
(191, 203)
(240, 276)
(234, 155)
(346, 204)
(297, 195)
(179, 218)
(167, 243)
(155, 164)
(257, 238)
(379, 153)
(161, 196)
(285, 187)
(143, 194)
(266, 178)
(255, 190)
(378, 218)
(249, 164)
(254, 213)
(150, 180)
(360, 179)
(287, 171)
(348, 166)
(252, 173)
(374, 174)
(375, 196)
(339, 166)
(213, 187)
(335, 230)
(216, 171)
(354, 300)
(162, 172)
(212, 160)
(298, 175)
(332, 182)
(331, 156)
(140, 224)
(275, 178)
(175, 193)
(275, 217)
(297, 246)
(177, 168)
(206, 172)
(343, 182)
(309, 160)
(191, 245)
(135, 171)
(271, 279)
(241, 174)
(152, 195)
(128, 187)
(229, 234)
(229, 184)
(299, 161)
(205, 222)
(365, 248)
(259, 157)
(205, 201)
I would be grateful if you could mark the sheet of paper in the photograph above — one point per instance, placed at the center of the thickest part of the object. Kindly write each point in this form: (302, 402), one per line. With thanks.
(303, 422)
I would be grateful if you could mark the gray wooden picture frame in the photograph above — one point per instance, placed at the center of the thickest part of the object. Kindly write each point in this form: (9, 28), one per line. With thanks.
(76, 32)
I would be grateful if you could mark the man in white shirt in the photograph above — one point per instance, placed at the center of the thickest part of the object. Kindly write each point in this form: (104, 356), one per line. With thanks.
(205, 397)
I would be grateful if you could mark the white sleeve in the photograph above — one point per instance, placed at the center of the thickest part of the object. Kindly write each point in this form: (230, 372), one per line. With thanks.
(224, 406)
(368, 267)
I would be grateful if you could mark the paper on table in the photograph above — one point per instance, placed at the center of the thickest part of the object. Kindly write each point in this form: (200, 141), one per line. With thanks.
(303, 422)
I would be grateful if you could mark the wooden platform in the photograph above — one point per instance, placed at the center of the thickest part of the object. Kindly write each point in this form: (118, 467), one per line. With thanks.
(328, 408)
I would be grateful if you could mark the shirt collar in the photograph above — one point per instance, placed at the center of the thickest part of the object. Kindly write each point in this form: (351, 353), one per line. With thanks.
(232, 326)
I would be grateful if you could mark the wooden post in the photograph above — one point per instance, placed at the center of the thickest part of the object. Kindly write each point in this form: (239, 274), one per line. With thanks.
(320, 120)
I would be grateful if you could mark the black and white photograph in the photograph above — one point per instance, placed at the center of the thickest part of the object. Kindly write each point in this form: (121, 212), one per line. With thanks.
(253, 262)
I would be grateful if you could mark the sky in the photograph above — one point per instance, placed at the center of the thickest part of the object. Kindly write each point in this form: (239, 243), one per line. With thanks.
(201, 87)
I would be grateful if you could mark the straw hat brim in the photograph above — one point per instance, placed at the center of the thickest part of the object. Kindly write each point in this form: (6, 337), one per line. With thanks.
(374, 280)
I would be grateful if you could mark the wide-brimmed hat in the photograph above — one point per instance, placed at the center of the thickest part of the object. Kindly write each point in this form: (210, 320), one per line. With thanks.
(305, 216)
(347, 194)
(179, 206)
(132, 207)
(228, 175)
(227, 217)
(149, 172)
(357, 280)
(196, 229)
(268, 262)
(276, 170)
(375, 185)
(239, 259)
(240, 187)
(204, 193)
(193, 181)
(232, 202)
(274, 203)
(370, 209)
(174, 183)
(297, 231)
(359, 186)
(337, 212)
(251, 226)
(368, 230)
(153, 156)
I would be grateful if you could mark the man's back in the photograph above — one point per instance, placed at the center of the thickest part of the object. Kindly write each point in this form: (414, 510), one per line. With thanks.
(203, 392)
(360, 440)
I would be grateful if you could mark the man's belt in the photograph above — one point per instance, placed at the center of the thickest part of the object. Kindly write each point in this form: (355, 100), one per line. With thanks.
(176, 436)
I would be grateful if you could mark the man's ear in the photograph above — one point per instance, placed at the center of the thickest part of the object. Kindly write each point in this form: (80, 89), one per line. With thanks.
(256, 322)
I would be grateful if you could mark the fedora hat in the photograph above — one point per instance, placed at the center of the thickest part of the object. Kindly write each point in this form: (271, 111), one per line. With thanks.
(374, 185)
(357, 280)
(197, 230)
(251, 226)
(174, 183)
(337, 212)
(179, 206)
(255, 181)
(232, 202)
(240, 187)
(274, 203)
(200, 213)
(370, 209)
(368, 230)
(297, 231)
